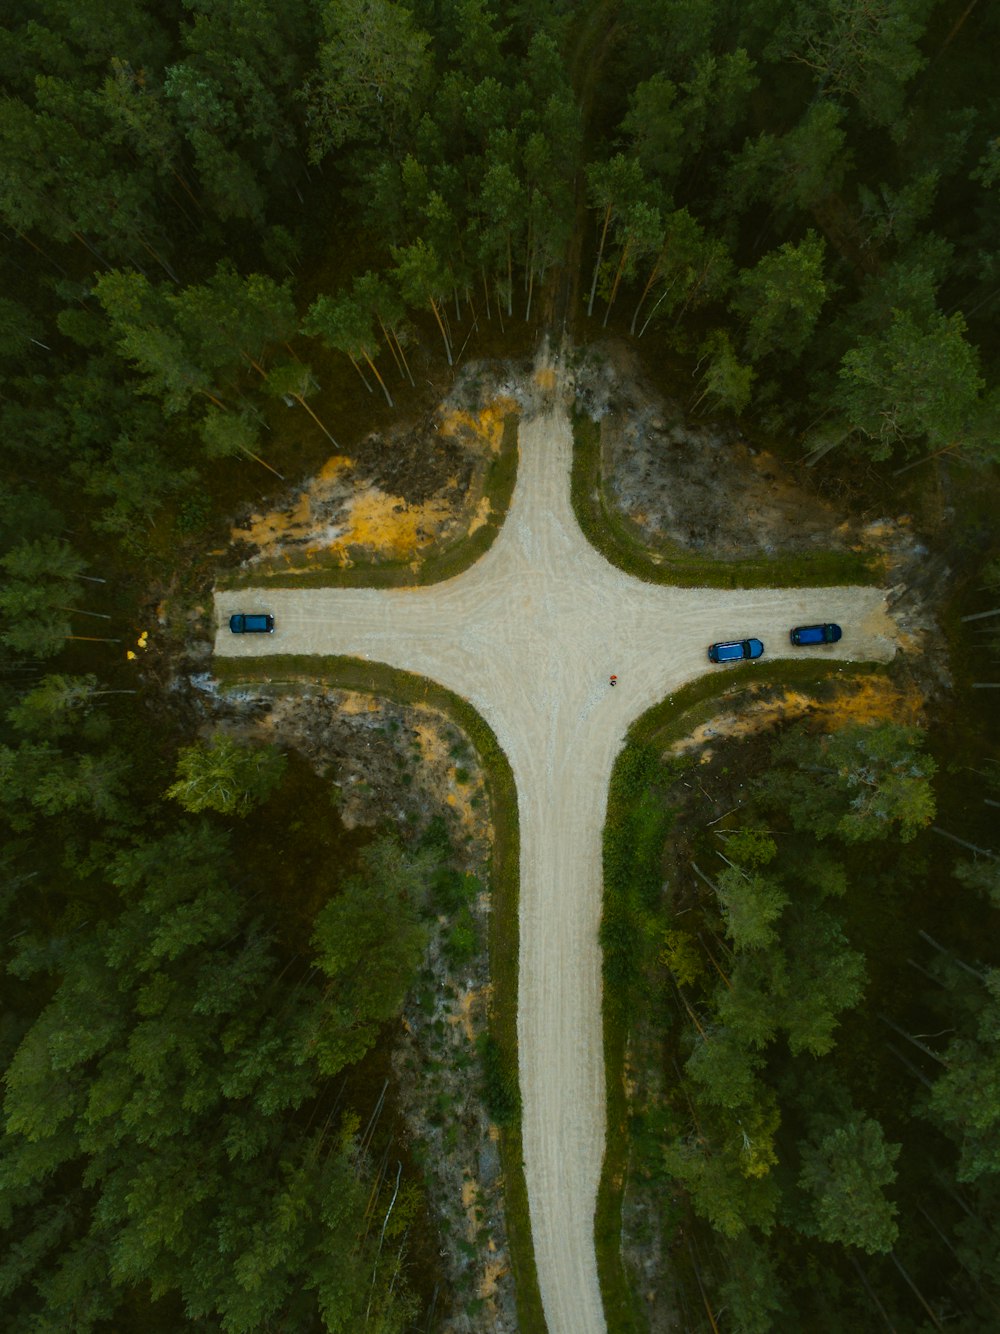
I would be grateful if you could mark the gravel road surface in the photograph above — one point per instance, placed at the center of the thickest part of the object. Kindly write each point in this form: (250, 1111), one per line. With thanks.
(531, 635)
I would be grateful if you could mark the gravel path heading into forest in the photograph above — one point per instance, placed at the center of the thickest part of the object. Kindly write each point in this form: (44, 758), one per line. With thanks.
(530, 635)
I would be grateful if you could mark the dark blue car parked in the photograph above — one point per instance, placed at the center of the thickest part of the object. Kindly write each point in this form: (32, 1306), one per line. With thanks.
(735, 651)
(252, 623)
(804, 635)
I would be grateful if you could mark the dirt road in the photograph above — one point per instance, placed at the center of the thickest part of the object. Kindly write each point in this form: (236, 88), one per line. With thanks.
(530, 635)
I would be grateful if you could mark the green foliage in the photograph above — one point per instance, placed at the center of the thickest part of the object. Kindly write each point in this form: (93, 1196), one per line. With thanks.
(751, 847)
(500, 1088)
(845, 1167)
(965, 1099)
(781, 297)
(759, 1131)
(372, 71)
(163, 1073)
(58, 706)
(916, 382)
(42, 584)
(727, 1166)
(858, 783)
(221, 775)
(681, 955)
(369, 942)
(751, 903)
(633, 840)
(727, 383)
(751, 1290)
(983, 876)
(825, 977)
(726, 1070)
(864, 52)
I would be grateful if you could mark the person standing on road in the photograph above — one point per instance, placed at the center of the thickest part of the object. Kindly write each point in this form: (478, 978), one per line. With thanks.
(613, 680)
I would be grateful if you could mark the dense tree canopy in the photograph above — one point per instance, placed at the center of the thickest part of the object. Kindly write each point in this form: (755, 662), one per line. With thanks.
(216, 211)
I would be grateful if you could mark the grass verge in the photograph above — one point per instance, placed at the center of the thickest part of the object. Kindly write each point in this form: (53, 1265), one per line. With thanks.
(406, 688)
(440, 563)
(670, 563)
(631, 886)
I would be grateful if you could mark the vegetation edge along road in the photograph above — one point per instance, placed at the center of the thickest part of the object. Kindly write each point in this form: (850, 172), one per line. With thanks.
(609, 533)
(406, 688)
(668, 721)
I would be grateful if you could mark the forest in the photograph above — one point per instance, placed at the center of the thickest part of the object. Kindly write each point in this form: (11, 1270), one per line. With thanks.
(232, 234)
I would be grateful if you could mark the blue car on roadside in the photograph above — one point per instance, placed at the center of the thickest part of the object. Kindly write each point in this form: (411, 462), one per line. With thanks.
(252, 623)
(735, 651)
(804, 635)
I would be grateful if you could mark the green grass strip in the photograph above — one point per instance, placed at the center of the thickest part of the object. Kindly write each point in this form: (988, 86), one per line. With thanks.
(670, 563)
(440, 563)
(621, 929)
(404, 687)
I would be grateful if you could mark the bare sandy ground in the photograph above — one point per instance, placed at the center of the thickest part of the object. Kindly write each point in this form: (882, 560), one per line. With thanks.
(530, 635)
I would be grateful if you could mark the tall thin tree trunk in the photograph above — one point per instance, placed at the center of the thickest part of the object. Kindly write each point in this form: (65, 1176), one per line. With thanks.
(374, 371)
(963, 843)
(917, 1293)
(600, 256)
(402, 354)
(440, 325)
(617, 282)
(875, 1301)
(659, 302)
(388, 343)
(54, 262)
(920, 1046)
(302, 403)
(212, 399)
(646, 291)
(263, 462)
(360, 373)
(159, 259)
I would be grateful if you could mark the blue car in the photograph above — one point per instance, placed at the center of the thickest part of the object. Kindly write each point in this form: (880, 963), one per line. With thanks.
(252, 623)
(803, 635)
(735, 651)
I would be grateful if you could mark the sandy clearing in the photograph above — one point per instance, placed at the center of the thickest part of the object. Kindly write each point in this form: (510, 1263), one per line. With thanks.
(530, 636)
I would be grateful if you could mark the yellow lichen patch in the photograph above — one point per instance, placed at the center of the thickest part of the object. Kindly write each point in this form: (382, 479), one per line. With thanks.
(354, 702)
(868, 700)
(297, 521)
(486, 425)
(872, 699)
(470, 1193)
(333, 467)
(495, 1269)
(269, 531)
(386, 525)
(483, 511)
(467, 1002)
(440, 775)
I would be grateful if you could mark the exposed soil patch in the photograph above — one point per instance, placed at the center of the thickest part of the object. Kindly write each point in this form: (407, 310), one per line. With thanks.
(700, 486)
(399, 493)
